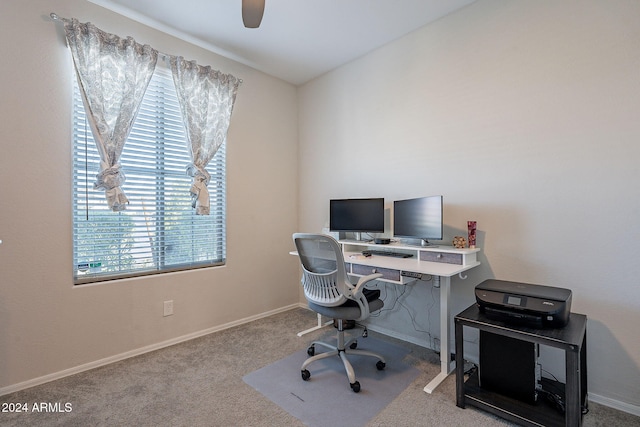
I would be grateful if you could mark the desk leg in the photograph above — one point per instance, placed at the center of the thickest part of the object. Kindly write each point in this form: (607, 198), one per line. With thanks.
(315, 328)
(445, 354)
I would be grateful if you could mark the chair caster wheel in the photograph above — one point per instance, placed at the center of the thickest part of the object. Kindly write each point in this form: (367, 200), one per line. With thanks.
(353, 345)
(311, 351)
(355, 387)
(380, 365)
(305, 374)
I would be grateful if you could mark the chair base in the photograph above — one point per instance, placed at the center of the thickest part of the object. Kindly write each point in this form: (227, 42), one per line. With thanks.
(342, 349)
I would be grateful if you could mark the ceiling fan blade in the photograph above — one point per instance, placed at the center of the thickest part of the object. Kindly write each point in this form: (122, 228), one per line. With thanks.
(252, 11)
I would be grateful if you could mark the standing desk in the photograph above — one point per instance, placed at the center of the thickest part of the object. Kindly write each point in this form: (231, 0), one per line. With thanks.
(439, 262)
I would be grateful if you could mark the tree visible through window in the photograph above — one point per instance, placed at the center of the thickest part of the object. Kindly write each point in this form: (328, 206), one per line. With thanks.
(159, 230)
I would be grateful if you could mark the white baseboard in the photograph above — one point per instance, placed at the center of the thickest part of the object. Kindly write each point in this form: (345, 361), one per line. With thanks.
(615, 404)
(118, 357)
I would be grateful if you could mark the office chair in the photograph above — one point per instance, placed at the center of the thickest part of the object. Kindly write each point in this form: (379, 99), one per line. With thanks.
(330, 292)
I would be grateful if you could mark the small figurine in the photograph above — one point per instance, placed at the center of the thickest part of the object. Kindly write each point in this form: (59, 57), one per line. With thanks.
(459, 242)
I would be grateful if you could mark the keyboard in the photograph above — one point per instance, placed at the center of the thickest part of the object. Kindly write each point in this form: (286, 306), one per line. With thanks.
(387, 253)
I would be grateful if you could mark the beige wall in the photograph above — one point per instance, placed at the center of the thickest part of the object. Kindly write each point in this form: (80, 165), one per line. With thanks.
(525, 116)
(46, 325)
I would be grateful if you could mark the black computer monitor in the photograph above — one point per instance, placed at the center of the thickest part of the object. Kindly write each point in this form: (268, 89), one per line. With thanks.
(419, 218)
(357, 215)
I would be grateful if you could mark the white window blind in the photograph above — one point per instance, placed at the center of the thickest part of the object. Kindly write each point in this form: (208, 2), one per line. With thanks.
(159, 231)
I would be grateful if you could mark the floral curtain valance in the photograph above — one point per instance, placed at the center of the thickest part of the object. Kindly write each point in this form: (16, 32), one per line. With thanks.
(206, 100)
(113, 75)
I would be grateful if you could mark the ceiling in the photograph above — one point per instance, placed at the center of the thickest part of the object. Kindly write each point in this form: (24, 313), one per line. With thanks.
(298, 40)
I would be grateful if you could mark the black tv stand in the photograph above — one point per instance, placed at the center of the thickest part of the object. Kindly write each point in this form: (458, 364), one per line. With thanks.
(572, 395)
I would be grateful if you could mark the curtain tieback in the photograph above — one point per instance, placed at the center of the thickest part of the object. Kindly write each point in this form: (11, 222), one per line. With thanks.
(110, 179)
(198, 173)
(199, 191)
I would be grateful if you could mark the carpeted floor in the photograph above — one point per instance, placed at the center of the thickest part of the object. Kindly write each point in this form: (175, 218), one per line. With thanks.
(199, 383)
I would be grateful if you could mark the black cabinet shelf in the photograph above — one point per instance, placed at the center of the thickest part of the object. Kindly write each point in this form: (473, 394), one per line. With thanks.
(541, 413)
(572, 339)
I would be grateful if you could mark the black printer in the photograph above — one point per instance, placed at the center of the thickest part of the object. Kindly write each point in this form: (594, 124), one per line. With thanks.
(531, 305)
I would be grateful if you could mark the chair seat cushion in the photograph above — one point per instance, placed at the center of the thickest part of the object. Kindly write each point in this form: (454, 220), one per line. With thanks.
(369, 294)
(350, 310)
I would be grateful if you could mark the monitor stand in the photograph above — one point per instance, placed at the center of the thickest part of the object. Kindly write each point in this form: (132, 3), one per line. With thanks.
(427, 244)
(358, 238)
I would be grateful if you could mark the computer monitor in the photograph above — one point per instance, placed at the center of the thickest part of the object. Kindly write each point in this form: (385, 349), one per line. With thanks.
(357, 215)
(419, 218)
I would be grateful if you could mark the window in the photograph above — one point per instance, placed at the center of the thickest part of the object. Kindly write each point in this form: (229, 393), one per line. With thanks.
(159, 231)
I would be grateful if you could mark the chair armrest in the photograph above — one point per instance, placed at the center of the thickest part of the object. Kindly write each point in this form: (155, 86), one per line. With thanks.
(357, 291)
(358, 296)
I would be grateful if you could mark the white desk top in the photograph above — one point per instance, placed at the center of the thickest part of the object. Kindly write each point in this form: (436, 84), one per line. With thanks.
(399, 246)
(413, 264)
(409, 264)
(353, 254)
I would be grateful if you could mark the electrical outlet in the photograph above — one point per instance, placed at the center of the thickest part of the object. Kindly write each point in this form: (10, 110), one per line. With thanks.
(168, 308)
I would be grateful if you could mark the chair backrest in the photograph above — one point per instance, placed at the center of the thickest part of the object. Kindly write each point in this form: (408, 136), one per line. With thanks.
(324, 278)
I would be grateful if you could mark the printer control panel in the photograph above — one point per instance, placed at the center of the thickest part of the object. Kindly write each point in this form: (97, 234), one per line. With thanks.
(519, 301)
